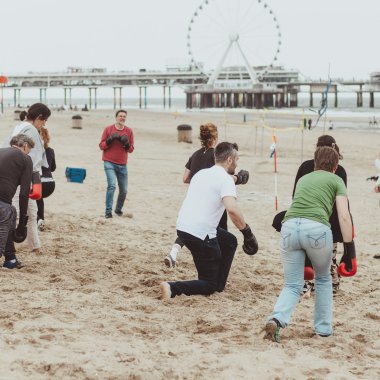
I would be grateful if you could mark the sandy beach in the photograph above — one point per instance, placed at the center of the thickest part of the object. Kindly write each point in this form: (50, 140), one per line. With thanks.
(89, 306)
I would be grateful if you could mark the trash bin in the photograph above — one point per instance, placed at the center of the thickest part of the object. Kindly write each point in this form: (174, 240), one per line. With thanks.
(184, 133)
(77, 121)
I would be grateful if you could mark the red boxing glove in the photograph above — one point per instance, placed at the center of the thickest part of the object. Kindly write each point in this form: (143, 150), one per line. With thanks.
(36, 189)
(308, 271)
(348, 266)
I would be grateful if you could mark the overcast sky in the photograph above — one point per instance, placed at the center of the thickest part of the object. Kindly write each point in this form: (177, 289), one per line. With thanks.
(50, 35)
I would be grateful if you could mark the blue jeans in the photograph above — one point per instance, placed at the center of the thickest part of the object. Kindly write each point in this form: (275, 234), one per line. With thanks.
(119, 173)
(212, 258)
(301, 236)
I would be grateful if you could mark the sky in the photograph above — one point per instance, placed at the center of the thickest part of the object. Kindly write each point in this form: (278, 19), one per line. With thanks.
(339, 37)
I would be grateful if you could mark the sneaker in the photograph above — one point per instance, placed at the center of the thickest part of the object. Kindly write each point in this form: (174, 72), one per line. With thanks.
(308, 287)
(272, 330)
(169, 262)
(12, 264)
(119, 213)
(41, 224)
(108, 215)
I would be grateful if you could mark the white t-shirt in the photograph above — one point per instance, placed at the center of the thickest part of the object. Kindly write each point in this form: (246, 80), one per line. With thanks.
(37, 154)
(203, 207)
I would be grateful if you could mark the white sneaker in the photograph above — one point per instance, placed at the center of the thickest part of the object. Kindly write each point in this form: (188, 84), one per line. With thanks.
(41, 225)
(169, 262)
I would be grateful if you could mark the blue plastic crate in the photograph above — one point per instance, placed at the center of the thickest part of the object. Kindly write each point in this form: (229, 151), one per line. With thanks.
(75, 175)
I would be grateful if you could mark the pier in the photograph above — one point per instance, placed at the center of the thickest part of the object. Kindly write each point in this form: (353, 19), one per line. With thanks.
(278, 88)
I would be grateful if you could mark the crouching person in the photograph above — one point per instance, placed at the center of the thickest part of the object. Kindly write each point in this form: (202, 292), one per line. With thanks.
(15, 170)
(211, 191)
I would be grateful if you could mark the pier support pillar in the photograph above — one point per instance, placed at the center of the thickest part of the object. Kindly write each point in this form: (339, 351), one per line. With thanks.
(67, 95)
(145, 97)
(164, 97)
(336, 97)
(279, 100)
(43, 97)
(189, 103)
(311, 102)
(249, 100)
(16, 97)
(286, 97)
(90, 90)
(359, 99)
(293, 100)
(371, 99)
(116, 97)
(222, 100)
(229, 100)
(169, 97)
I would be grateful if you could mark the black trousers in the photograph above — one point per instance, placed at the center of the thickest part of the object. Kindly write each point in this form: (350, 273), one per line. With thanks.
(212, 258)
(222, 224)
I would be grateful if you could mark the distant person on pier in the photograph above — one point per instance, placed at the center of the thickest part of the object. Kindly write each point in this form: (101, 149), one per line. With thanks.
(47, 180)
(31, 123)
(116, 143)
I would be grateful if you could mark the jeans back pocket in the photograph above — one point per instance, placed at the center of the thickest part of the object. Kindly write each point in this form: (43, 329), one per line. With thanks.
(285, 240)
(317, 241)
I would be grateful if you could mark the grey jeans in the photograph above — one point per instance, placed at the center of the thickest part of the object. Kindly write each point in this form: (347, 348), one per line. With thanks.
(7, 226)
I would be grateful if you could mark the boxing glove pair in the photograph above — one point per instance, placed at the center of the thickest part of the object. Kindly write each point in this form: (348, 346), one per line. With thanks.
(123, 139)
(346, 268)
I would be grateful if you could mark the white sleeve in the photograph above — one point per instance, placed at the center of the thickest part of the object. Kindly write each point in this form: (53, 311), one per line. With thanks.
(228, 188)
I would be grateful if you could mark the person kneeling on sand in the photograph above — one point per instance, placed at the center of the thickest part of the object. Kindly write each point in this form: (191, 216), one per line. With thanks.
(203, 158)
(210, 192)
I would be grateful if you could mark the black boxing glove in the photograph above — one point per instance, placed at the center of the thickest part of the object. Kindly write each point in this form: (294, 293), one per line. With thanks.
(19, 234)
(242, 177)
(250, 245)
(125, 141)
(110, 138)
(348, 265)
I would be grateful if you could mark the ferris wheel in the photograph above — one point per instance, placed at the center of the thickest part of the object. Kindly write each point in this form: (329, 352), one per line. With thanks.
(227, 38)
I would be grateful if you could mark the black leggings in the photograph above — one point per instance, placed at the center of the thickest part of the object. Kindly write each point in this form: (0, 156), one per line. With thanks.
(47, 190)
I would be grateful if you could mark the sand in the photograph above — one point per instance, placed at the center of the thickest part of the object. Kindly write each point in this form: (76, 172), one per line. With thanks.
(89, 306)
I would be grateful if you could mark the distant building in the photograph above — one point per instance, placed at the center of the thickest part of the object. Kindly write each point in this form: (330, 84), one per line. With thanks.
(85, 70)
(375, 77)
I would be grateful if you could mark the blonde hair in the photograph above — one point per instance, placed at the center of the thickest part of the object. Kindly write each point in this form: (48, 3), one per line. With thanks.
(44, 133)
(208, 134)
